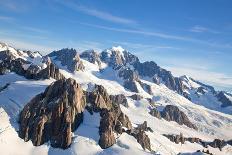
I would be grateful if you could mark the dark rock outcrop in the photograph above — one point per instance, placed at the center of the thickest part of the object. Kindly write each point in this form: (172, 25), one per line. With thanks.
(223, 99)
(119, 99)
(4, 87)
(91, 56)
(136, 97)
(172, 113)
(152, 70)
(10, 64)
(112, 118)
(112, 121)
(140, 135)
(69, 58)
(154, 112)
(53, 115)
(217, 143)
(99, 99)
(131, 85)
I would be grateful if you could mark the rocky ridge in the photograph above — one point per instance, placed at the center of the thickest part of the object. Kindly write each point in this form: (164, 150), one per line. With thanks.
(216, 143)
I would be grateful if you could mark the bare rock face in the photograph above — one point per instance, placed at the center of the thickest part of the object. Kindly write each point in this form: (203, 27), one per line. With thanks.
(53, 115)
(224, 99)
(151, 69)
(99, 99)
(154, 112)
(69, 58)
(33, 71)
(136, 97)
(120, 99)
(91, 56)
(172, 113)
(146, 87)
(112, 121)
(143, 140)
(217, 143)
(140, 135)
(131, 85)
(107, 139)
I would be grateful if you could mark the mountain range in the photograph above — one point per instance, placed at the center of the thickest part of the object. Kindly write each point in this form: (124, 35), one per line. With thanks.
(108, 102)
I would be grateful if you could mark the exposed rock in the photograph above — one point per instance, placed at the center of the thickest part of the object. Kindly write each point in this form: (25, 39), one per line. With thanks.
(131, 85)
(53, 115)
(117, 56)
(112, 120)
(143, 140)
(154, 112)
(91, 56)
(107, 139)
(217, 143)
(225, 100)
(152, 70)
(201, 90)
(119, 99)
(136, 97)
(69, 58)
(128, 74)
(33, 71)
(172, 113)
(99, 99)
(150, 101)
(146, 87)
(140, 135)
(4, 87)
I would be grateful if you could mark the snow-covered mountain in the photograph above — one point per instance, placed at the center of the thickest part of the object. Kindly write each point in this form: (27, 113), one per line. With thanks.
(106, 103)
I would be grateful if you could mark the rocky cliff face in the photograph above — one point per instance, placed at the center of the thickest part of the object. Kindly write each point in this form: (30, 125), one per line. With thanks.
(91, 56)
(69, 58)
(173, 113)
(53, 115)
(112, 118)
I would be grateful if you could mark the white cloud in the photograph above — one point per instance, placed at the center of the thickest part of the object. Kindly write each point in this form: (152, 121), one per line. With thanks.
(6, 18)
(34, 29)
(160, 35)
(96, 13)
(200, 29)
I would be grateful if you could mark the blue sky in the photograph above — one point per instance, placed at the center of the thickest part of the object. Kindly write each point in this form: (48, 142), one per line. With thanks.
(187, 37)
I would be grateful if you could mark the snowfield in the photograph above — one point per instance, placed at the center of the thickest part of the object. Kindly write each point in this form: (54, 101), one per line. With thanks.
(211, 124)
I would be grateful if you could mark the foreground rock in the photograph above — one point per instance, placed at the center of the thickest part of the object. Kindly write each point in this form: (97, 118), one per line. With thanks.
(112, 118)
(53, 115)
(56, 113)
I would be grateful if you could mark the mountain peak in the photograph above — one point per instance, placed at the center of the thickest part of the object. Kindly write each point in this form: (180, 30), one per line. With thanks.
(117, 48)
